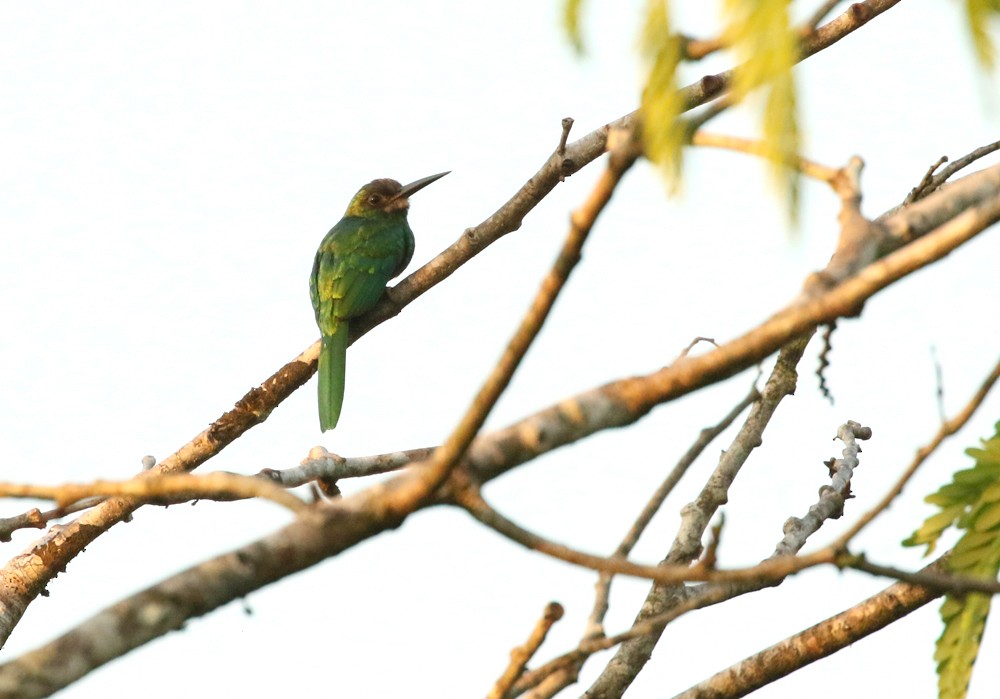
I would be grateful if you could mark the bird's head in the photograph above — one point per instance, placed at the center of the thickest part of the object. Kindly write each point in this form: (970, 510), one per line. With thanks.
(387, 196)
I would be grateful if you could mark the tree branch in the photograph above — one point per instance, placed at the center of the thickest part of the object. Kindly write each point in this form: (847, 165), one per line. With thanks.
(162, 490)
(595, 625)
(947, 429)
(931, 182)
(819, 641)
(436, 470)
(520, 656)
(648, 626)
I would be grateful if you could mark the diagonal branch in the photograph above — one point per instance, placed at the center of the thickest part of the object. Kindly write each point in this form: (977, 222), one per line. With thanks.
(603, 588)
(520, 656)
(162, 490)
(443, 460)
(815, 643)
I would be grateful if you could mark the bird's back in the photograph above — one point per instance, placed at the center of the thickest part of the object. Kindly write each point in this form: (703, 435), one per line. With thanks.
(355, 261)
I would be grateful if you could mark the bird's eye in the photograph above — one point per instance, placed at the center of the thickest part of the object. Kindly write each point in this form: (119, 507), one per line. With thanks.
(374, 199)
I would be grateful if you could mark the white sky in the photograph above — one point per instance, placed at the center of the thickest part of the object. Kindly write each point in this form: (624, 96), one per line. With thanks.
(167, 171)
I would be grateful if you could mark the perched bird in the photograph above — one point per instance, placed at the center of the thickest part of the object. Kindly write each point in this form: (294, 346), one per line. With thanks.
(370, 245)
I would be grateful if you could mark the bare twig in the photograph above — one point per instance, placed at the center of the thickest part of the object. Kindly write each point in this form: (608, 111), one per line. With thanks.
(831, 497)
(815, 643)
(567, 124)
(331, 467)
(772, 569)
(706, 436)
(925, 181)
(165, 489)
(932, 182)
(947, 429)
(819, 14)
(939, 581)
(32, 519)
(563, 670)
(809, 168)
(696, 49)
(691, 345)
(520, 656)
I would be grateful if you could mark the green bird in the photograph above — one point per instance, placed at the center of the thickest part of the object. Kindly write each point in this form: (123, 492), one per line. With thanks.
(370, 245)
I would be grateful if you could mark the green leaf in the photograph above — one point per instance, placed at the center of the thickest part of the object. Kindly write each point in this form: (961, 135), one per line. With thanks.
(958, 645)
(932, 528)
(971, 502)
(661, 106)
(572, 9)
(988, 518)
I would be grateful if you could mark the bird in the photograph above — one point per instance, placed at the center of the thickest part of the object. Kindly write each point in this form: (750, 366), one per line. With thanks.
(370, 245)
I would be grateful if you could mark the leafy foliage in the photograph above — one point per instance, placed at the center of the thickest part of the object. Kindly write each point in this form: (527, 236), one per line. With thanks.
(761, 34)
(663, 134)
(971, 502)
(978, 13)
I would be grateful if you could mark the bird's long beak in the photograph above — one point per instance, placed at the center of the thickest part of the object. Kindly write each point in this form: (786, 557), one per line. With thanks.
(414, 187)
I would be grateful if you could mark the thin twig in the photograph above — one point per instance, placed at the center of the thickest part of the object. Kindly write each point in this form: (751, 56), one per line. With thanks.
(947, 429)
(705, 437)
(807, 167)
(332, 467)
(649, 625)
(772, 569)
(831, 497)
(696, 49)
(520, 656)
(941, 582)
(691, 345)
(164, 489)
(931, 183)
(567, 124)
(925, 181)
(818, 15)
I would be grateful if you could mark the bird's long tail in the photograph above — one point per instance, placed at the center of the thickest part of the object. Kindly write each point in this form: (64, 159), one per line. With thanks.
(332, 360)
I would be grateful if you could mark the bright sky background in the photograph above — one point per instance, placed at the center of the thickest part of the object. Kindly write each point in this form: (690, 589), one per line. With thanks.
(166, 173)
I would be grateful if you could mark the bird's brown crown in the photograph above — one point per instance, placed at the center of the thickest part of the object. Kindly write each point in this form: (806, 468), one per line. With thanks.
(382, 195)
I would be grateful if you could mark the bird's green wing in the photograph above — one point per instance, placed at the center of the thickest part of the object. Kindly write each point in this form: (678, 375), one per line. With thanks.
(350, 272)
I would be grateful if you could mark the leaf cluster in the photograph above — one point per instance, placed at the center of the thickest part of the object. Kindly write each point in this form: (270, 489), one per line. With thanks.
(971, 503)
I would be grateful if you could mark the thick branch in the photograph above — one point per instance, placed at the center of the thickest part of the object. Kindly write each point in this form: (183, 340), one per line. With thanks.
(819, 641)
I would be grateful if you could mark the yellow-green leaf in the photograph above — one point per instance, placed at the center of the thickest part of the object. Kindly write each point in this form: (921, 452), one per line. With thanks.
(978, 15)
(970, 502)
(572, 9)
(761, 34)
(661, 105)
